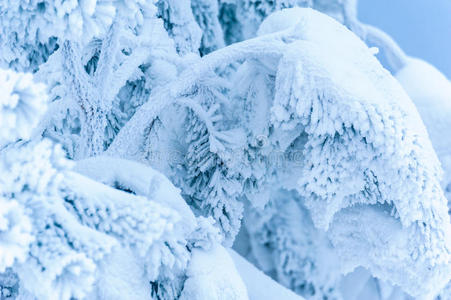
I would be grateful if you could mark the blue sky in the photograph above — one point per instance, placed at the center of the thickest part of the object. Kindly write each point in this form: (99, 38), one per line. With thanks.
(421, 27)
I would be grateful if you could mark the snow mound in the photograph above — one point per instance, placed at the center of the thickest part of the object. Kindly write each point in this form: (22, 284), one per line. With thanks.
(260, 286)
(212, 276)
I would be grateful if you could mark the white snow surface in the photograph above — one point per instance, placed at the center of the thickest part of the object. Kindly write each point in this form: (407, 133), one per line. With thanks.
(140, 179)
(120, 271)
(430, 90)
(259, 285)
(212, 276)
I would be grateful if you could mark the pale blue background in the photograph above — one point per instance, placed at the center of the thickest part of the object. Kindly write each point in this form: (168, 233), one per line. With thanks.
(421, 27)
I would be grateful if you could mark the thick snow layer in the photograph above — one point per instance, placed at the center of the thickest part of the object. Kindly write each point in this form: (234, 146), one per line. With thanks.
(139, 179)
(212, 276)
(366, 144)
(260, 286)
(134, 220)
(121, 273)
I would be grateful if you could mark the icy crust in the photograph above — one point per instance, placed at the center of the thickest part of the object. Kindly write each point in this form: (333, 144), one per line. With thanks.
(186, 251)
(138, 225)
(152, 236)
(369, 138)
(430, 91)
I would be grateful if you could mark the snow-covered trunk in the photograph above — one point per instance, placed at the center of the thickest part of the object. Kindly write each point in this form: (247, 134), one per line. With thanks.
(85, 93)
(91, 92)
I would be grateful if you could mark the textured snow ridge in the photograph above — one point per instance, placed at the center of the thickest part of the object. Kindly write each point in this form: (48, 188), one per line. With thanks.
(138, 179)
(390, 251)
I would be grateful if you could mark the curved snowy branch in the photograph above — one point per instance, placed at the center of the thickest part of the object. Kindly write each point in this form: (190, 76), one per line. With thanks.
(131, 137)
(395, 56)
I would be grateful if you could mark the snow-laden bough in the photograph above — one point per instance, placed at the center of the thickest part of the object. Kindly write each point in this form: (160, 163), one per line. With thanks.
(365, 150)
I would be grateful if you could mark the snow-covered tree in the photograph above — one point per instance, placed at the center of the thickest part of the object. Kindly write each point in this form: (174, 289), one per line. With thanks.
(65, 236)
(292, 94)
(178, 129)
